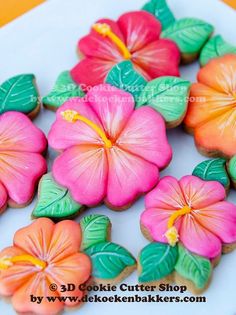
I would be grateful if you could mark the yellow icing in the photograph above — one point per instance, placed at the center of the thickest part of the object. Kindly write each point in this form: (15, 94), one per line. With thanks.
(72, 116)
(172, 233)
(7, 262)
(105, 30)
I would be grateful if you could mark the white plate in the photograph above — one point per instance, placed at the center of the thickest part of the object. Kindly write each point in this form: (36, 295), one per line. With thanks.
(43, 42)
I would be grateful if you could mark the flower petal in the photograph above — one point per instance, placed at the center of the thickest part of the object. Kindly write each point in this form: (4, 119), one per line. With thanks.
(38, 286)
(65, 241)
(113, 106)
(101, 47)
(199, 193)
(18, 133)
(221, 132)
(155, 220)
(206, 104)
(20, 172)
(166, 195)
(224, 78)
(197, 239)
(16, 275)
(35, 239)
(76, 133)
(91, 71)
(3, 197)
(83, 170)
(129, 176)
(145, 136)
(159, 58)
(220, 219)
(139, 29)
(75, 269)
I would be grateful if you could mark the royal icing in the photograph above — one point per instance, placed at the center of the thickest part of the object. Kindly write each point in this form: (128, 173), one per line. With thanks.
(44, 254)
(191, 211)
(111, 152)
(190, 34)
(134, 37)
(21, 162)
(211, 113)
(20, 94)
(215, 47)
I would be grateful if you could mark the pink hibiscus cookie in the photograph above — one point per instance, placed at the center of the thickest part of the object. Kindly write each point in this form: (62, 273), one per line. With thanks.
(134, 37)
(192, 211)
(21, 162)
(112, 152)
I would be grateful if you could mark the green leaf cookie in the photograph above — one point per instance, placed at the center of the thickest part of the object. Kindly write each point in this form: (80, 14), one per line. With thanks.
(19, 94)
(95, 229)
(190, 35)
(232, 168)
(124, 77)
(161, 11)
(193, 267)
(63, 89)
(213, 170)
(157, 260)
(168, 96)
(215, 47)
(109, 260)
(54, 201)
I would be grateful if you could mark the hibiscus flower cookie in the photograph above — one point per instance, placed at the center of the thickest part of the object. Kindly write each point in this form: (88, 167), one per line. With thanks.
(44, 256)
(112, 152)
(211, 113)
(21, 162)
(191, 225)
(20, 94)
(134, 37)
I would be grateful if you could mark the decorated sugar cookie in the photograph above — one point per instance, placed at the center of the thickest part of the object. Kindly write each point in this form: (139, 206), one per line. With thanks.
(134, 37)
(192, 225)
(21, 162)
(20, 94)
(112, 152)
(47, 256)
(44, 256)
(211, 113)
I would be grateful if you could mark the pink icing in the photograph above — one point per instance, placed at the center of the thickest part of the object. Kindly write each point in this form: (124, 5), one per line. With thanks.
(21, 163)
(118, 174)
(210, 223)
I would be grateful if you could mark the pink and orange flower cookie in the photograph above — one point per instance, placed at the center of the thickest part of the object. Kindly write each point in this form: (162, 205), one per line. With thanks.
(111, 152)
(191, 225)
(21, 160)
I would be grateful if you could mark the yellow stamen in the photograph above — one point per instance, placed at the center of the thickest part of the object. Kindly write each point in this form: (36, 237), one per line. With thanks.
(105, 30)
(73, 116)
(6, 262)
(172, 233)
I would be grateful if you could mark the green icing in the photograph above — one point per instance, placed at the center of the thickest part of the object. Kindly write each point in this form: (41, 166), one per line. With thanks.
(161, 11)
(157, 261)
(213, 170)
(168, 96)
(109, 260)
(124, 77)
(215, 47)
(232, 168)
(193, 267)
(54, 201)
(19, 93)
(95, 230)
(189, 34)
(63, 89)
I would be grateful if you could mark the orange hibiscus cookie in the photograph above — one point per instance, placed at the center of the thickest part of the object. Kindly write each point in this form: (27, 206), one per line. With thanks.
(43, 257)
(211, 114)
